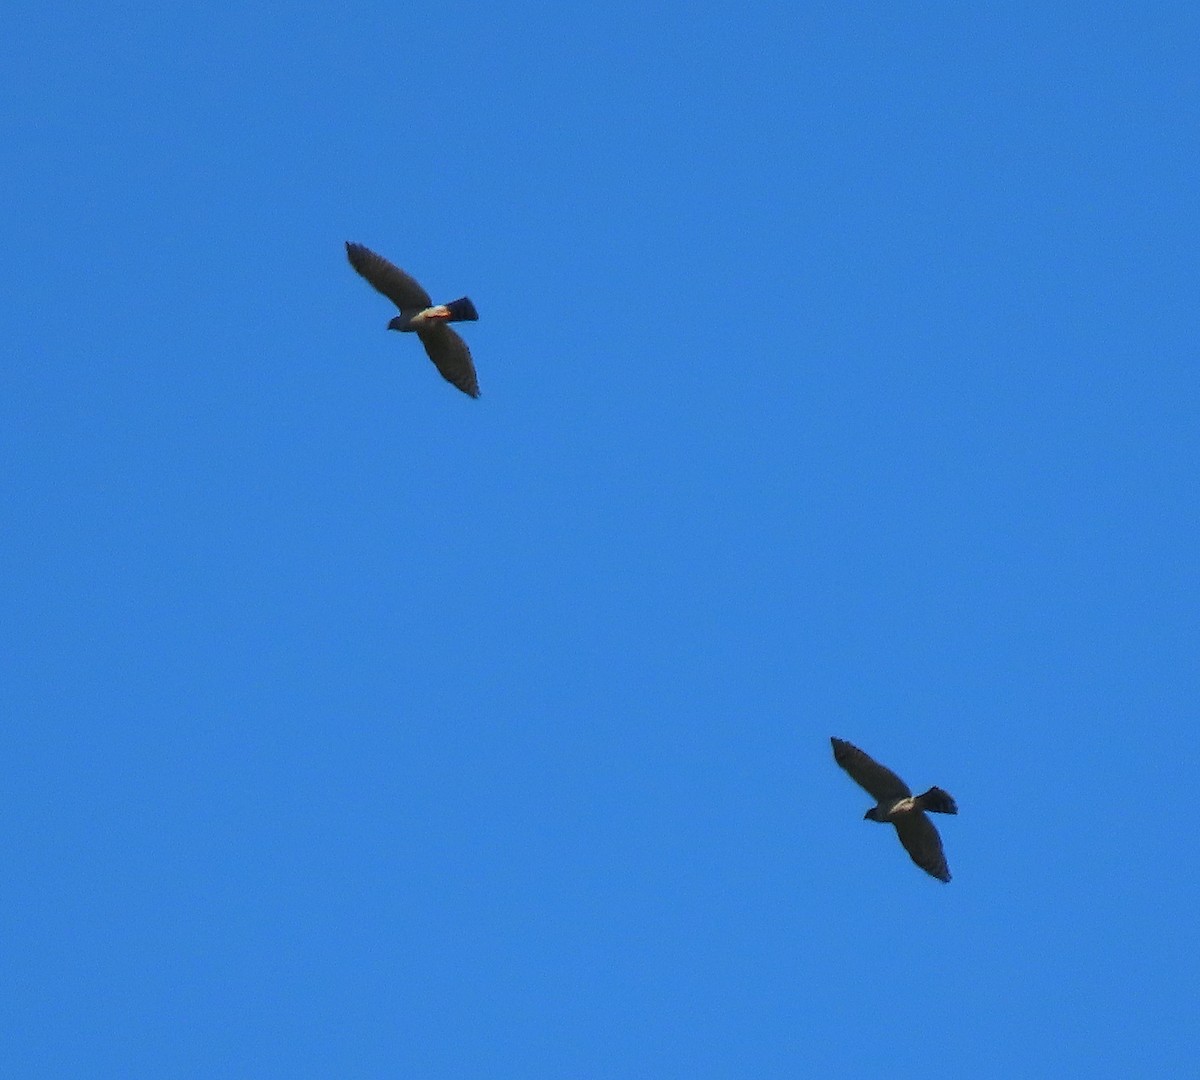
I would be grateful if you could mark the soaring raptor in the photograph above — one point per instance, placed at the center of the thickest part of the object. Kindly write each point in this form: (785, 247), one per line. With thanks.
(419, 315)
(898, 806)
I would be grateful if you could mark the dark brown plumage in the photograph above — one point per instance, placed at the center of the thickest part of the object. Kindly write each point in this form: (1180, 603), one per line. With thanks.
(419, 315)
(896, 805)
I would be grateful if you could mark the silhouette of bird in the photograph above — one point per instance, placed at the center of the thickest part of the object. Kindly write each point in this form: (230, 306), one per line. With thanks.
(419, 315)
(896, 804)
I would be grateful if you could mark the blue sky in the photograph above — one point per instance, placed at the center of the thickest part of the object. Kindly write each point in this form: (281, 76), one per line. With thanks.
(839, 377)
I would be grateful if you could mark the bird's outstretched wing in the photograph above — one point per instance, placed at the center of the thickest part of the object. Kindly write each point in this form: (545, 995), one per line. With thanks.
(923, 844)
(867, 773)
(400, 288)
(451, 356)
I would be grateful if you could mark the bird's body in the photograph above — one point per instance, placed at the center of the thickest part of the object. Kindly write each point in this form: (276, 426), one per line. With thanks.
(896, 805)
(421, 316)
(426, 319)
(891, 810)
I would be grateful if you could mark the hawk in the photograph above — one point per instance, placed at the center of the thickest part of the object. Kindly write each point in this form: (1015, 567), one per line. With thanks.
(419, 315)
(898, 806)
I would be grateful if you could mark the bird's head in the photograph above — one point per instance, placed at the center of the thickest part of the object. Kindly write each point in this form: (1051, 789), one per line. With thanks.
(400, 322)
(870, 815)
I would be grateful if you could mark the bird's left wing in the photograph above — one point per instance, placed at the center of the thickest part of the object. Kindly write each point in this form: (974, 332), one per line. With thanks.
(879, 782)
(400, 288)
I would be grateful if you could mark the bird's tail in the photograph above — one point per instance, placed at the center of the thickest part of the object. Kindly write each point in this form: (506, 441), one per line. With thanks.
(937, 800)
(462, 311)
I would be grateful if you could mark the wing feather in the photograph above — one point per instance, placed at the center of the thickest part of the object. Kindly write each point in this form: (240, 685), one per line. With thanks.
(400, 288)
(923, 843)
(450, 356)
(879, 782)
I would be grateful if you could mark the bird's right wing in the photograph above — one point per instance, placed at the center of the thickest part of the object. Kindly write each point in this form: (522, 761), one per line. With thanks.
(922, 842)
(451, 356)
(400, 288)
(865, 771)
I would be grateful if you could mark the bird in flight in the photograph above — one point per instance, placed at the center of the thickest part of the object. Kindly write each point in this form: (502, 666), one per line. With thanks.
(896, 805)
(419, 315)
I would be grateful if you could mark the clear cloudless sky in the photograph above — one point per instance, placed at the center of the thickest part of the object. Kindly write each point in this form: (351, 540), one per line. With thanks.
(839, 370)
